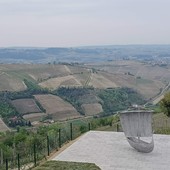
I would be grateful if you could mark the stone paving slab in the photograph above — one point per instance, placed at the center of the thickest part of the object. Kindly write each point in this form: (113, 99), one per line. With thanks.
(111, 151)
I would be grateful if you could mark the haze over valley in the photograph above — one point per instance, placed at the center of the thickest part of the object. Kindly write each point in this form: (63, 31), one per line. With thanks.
(158, 54)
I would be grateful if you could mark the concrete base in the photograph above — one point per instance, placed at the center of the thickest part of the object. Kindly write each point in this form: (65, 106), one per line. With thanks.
(111, 151)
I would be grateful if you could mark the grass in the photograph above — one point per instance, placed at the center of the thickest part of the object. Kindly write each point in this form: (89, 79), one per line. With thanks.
(112, 128)
(62, 165)
(161, 123)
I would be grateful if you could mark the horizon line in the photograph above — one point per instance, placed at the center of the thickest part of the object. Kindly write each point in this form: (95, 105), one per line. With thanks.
(85, 46)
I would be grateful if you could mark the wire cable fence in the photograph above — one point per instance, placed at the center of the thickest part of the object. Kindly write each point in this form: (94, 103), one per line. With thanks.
(26, 155)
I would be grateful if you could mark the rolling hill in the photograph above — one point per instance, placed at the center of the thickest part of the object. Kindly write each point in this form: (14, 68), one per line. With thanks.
(147, 79)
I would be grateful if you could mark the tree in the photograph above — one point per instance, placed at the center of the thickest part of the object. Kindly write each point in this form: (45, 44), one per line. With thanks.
(165, 104)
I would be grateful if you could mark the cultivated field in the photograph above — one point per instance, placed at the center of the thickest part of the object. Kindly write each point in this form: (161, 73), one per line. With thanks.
(10, 83)
(92, 109)
(56, 107)
(136, 68)
(24, 106)
(77, 69)
(80, 73)
(54, 83)
(147, 79)
(100, 81)
(34, 116)
(12, 75)
(37, 71)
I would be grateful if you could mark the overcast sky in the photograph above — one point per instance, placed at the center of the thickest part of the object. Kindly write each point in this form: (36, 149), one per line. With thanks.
(61, 23)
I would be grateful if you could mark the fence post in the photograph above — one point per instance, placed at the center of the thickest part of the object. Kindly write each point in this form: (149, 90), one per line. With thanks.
(1, 156)
(35, 159)
(18, 160)
(6, 161)
(117, 127)
(89, 126)
(48, 146)
(71, 131)
(59, 138)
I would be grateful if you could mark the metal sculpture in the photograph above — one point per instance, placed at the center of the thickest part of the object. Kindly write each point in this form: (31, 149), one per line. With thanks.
(137, 126)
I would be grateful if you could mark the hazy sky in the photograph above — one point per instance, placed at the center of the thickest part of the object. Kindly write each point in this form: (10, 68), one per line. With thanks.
(84, 22)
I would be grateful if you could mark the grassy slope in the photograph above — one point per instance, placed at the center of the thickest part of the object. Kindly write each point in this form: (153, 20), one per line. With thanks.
(62, 165)
(13, 74)
(117, 73)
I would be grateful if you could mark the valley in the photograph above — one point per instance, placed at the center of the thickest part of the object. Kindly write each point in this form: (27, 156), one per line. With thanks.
(62, 90)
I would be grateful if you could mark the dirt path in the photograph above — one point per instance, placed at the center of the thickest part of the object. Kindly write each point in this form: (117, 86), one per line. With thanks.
(88, 79)
(159, 97)
(67, 69)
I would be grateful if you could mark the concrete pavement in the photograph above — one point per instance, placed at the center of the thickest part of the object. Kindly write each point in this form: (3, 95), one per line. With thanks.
(111, 151)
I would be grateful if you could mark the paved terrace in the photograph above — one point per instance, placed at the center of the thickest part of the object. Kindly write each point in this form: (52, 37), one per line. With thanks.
(111, 151)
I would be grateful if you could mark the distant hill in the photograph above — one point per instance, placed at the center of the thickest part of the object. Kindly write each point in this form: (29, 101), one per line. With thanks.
(84, 54)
